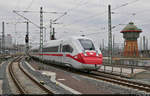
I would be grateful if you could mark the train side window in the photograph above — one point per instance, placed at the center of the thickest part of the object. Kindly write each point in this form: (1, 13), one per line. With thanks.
(51, 49)
(67, 48)
(35, 50)
(64, 48)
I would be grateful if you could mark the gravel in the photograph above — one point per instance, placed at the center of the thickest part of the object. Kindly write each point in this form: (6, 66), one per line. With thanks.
(115, 89)
(5, 87)
(102, 85)
(46, 79)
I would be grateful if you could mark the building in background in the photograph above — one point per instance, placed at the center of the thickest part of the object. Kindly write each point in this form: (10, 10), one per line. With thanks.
(8, 41)
(131, 34)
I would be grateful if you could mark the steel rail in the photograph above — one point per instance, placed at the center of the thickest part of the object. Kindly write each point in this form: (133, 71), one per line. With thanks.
(35, 81)
(15, 80)
(109, 78)
(18, 84)
(121, 81)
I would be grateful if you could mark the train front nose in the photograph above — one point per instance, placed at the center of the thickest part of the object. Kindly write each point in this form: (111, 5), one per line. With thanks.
(92, 60)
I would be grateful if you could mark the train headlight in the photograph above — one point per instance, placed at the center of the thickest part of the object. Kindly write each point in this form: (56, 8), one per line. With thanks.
(97, 53)
(100, 52)
(84, 53)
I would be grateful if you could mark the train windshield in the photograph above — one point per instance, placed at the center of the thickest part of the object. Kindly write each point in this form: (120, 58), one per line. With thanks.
(87, 44)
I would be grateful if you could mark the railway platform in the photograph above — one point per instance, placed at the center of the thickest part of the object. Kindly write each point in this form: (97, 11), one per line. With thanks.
(127, 72)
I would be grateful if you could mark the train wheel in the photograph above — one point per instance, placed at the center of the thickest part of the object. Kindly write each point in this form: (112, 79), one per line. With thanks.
(68, 68)
(88, 71)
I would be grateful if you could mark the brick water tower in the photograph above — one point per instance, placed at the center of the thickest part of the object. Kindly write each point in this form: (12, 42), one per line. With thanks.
(131, 34)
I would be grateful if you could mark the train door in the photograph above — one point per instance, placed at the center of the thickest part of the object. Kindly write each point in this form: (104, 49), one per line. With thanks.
(60, 52)
(67, 50)
(64, 54)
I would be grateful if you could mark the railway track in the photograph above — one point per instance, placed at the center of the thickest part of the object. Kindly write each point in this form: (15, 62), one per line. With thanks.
(115, 79)
(120, 81)
(22, 88)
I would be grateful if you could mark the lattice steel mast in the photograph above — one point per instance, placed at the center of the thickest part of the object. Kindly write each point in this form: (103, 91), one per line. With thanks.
(109, 36)
(41, 29)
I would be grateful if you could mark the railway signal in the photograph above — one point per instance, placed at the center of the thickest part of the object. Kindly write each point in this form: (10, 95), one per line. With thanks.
(52, 33)
(41, 22)
(27, 38)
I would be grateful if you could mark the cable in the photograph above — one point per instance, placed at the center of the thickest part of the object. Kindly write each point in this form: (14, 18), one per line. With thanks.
(76, 21)
(106, 11)
(18, 2)
(26, 19)
(78, 5)
(75, 6)
(125, 4)
(27, 8)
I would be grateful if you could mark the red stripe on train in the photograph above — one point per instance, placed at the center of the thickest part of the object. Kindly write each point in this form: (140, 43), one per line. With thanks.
(87, 59)
(81, 58)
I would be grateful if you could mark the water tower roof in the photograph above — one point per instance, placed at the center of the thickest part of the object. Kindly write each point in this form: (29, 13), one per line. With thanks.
(131, 28)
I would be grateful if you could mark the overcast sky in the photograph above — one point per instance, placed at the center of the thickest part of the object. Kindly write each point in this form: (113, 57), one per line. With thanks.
(87, 17)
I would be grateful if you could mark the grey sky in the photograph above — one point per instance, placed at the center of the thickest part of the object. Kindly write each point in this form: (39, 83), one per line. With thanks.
(83, 17)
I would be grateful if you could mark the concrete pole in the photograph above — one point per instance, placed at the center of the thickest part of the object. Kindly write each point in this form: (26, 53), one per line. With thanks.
(53, 34)
(144, 45)
(113, 45)
(103, 44)
(50, 29)
(3, 37)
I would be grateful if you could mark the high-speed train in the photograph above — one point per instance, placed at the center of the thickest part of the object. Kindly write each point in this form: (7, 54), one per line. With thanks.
(74, 52)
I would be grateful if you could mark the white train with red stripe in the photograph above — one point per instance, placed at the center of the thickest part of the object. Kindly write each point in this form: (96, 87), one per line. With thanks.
(75, 52)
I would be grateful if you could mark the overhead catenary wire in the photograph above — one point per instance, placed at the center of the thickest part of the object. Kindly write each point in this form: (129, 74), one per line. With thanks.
(125, 4)
(117, 24)
(75, 7)
(92, 16)
(30, 4)
(26, 19)
(39, 11)
(17, 3)
(88, 20)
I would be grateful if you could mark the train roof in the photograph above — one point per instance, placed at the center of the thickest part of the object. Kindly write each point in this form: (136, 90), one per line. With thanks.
(75, 38)
(67, 38)
(57, 42)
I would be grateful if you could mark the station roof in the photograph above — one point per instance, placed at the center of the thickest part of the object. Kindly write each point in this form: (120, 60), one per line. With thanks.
(131, 28)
